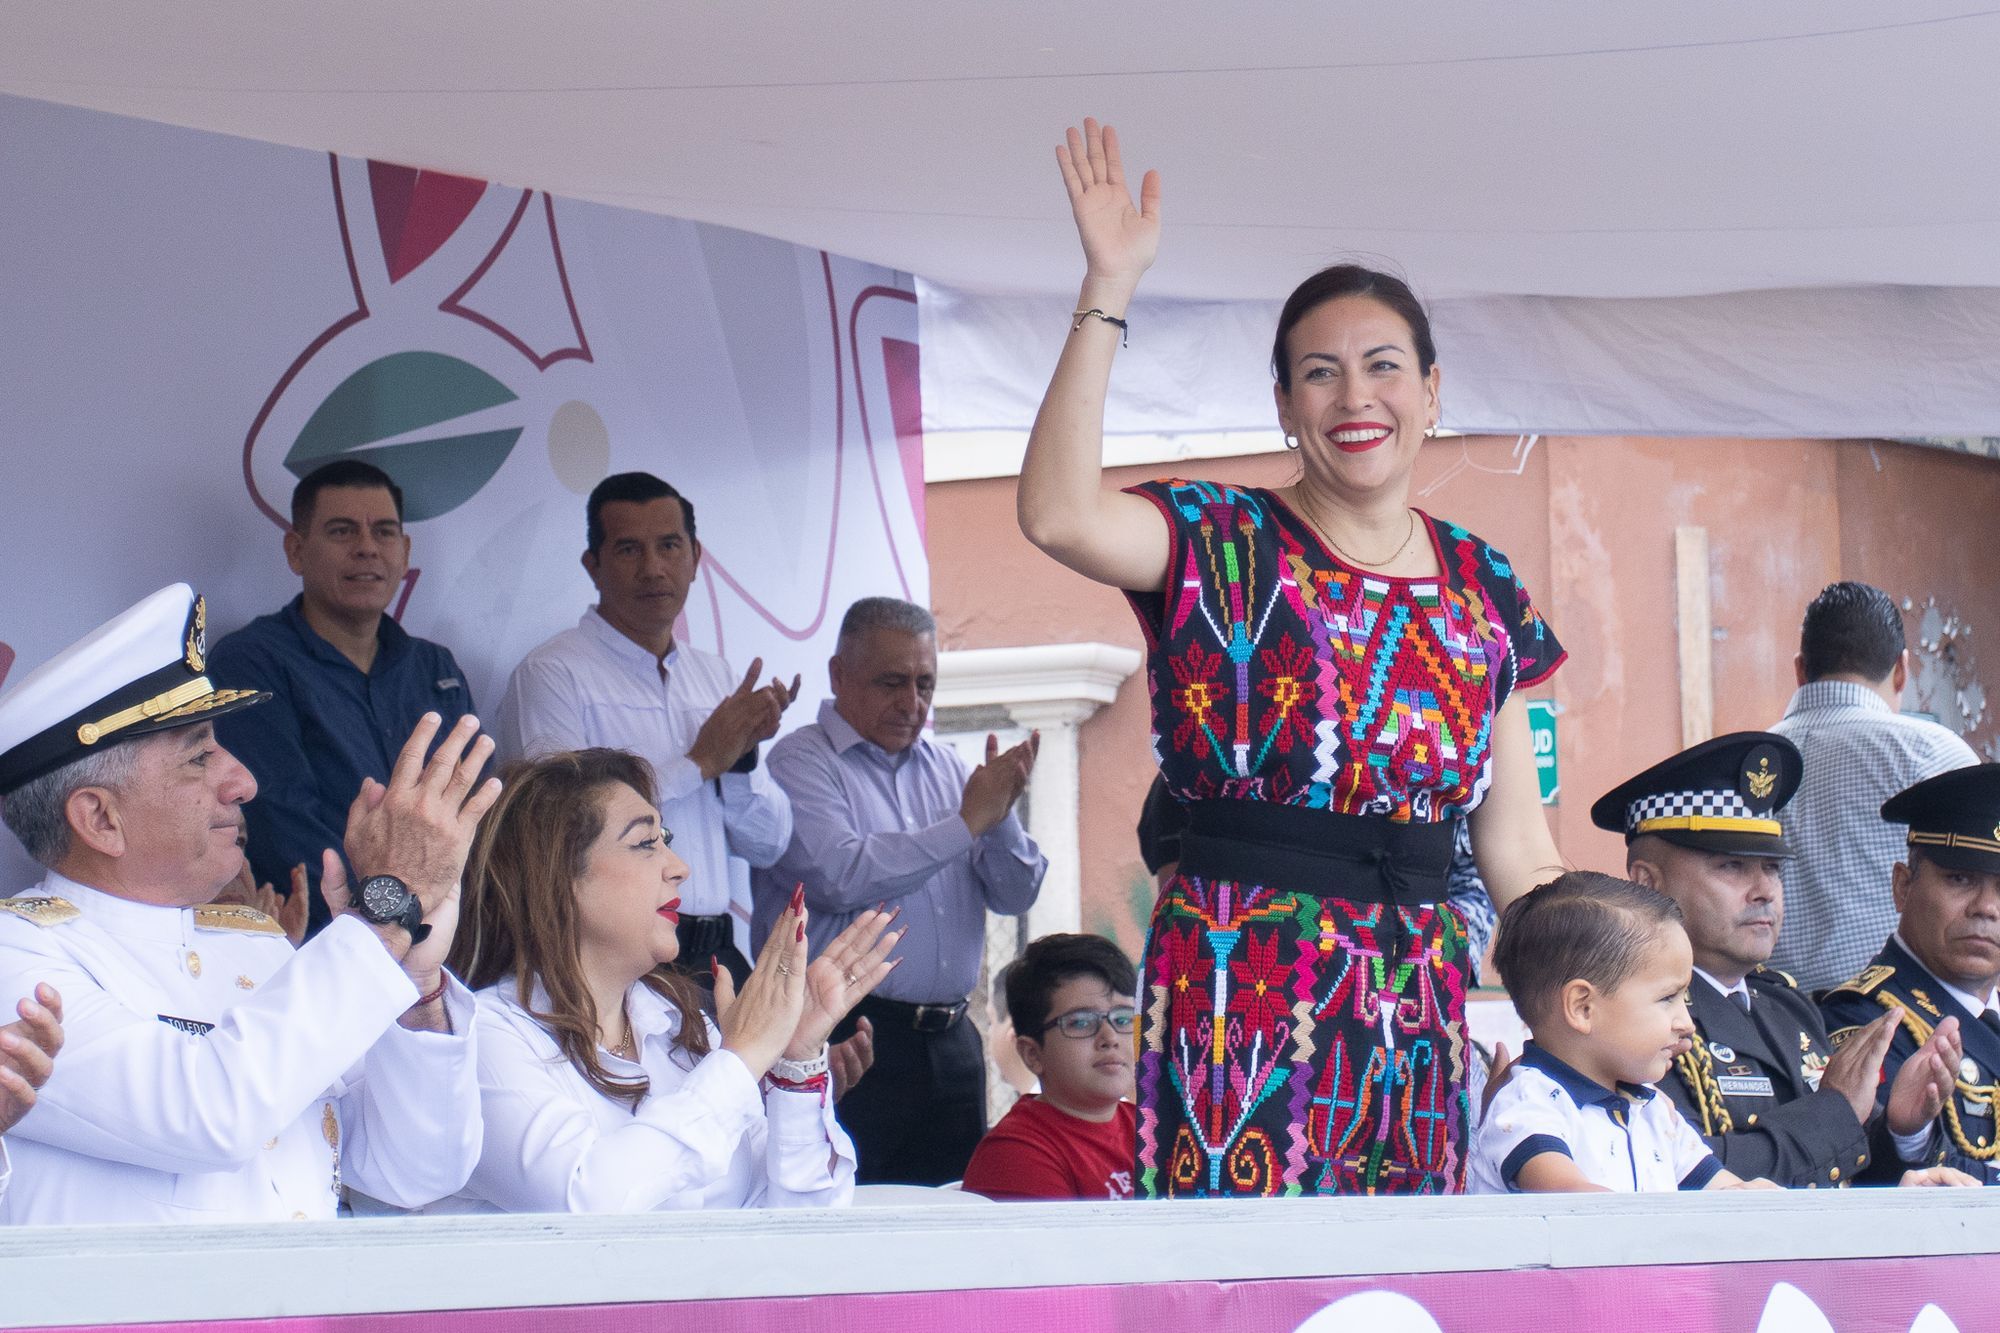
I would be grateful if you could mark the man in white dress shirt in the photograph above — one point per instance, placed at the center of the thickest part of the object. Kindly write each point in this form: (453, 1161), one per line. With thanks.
(209, 1073)
(621, 679)
(28, 1048)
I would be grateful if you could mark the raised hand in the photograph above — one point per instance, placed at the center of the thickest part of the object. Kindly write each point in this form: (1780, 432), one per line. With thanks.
(746, 716)
(27, 1053)
(1119, 240)
(852, 964)
(1925, 1079)
(420, 826)
(996, 784)
(758, 1021)
(1855, 1071)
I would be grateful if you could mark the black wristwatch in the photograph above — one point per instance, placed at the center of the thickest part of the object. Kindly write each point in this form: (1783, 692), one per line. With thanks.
(387, 901)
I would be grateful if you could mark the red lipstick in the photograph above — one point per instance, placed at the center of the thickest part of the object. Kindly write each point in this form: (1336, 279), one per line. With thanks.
(1373, 433)
(671, 910)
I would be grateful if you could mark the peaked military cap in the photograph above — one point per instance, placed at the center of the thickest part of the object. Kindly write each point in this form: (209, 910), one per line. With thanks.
(1720, 796)
(141, 671)
(1954, 818)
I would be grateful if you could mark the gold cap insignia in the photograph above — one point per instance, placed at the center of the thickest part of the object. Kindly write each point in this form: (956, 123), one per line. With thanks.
(1763, 779)
(197, 637)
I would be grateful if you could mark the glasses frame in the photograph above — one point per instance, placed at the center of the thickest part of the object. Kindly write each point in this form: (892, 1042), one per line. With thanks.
(1102, 1016)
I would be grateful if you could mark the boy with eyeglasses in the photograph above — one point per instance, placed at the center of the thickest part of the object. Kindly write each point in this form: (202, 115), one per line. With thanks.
(1071, 1001)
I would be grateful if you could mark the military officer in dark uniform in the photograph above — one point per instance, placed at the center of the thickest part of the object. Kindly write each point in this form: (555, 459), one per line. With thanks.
(1940, 969)
(1761, 1081)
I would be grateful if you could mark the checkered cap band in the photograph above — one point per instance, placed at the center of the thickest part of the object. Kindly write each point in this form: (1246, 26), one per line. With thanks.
(1688, 804)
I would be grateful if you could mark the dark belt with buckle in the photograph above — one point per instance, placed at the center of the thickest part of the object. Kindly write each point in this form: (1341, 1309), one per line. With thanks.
(918, 1017)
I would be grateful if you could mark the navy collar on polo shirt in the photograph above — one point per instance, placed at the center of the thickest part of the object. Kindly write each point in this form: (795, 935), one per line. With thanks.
(391, 639)
(1582, 1090)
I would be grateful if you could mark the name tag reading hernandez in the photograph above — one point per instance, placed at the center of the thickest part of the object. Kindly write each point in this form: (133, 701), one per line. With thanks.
(1744, 1085)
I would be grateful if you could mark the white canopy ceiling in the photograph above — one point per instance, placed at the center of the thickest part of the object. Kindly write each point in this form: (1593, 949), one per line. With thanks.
(1561, 149)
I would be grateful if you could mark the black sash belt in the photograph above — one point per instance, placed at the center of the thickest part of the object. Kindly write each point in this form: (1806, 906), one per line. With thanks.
(1357, 857)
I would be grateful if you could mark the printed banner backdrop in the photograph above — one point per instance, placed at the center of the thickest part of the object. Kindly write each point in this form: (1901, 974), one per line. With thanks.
(193, 321)
(1934, 1295)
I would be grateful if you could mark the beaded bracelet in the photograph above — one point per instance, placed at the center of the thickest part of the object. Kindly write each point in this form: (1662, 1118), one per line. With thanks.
(799, 1071)
(1124, 329)
(444, 980)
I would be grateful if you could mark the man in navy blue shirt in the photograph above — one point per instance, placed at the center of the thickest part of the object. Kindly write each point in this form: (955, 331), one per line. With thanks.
(347, 682)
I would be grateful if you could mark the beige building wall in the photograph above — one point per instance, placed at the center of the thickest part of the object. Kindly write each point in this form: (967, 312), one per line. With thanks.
(1589, 525)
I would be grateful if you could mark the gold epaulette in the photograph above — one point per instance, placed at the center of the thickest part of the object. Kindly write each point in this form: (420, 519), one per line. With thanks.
(1784, 978)
(1697, 1070)
(1986, 1093)
(41, 911)
(234, 916)
(1865, 982)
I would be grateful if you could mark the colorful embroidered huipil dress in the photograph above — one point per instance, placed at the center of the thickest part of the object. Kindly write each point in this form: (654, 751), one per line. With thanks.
(1303, 986)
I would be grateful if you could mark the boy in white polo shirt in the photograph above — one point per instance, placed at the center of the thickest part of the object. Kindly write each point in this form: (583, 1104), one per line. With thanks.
(1598, 968)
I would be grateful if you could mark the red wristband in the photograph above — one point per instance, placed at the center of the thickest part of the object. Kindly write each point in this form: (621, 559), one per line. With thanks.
(423, 1000)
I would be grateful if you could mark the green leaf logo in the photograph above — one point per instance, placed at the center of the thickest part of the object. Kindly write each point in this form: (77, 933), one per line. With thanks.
(404, 392)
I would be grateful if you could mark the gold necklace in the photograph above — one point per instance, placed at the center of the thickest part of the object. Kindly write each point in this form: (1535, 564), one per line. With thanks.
(625, 1050)
(1327, 537)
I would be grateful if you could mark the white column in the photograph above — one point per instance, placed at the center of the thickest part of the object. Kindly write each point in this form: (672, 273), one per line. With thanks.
(1051, 688)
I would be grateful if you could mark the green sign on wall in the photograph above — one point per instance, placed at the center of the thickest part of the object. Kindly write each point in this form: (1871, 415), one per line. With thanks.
(1542, 726)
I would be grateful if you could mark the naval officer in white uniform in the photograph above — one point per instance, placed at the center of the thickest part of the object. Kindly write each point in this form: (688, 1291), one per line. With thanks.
(209, 1072)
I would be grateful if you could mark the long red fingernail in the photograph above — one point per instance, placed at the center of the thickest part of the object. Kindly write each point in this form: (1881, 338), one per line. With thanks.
(802, 932)
(798, 897)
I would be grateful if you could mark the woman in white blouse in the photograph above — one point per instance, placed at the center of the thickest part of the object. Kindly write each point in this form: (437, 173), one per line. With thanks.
(604, 1087)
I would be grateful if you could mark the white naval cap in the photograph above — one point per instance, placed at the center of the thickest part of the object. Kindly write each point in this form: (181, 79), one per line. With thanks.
(139, 672)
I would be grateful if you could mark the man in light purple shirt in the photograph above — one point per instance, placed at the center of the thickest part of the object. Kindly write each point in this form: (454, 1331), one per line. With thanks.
(880, 814)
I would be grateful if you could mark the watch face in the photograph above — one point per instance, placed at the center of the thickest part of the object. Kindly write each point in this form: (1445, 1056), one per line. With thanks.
(382, 898)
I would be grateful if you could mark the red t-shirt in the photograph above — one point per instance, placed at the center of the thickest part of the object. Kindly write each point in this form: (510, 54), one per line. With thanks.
(1038, 1152)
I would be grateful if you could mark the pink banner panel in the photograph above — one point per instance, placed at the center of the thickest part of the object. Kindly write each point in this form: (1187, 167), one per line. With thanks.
(1931, 1295)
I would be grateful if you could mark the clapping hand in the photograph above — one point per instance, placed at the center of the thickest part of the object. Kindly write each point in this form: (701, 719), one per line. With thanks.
(1925, 1079)
(848, 1060)
(746, 716)
(851, 966)
(996, 784)
(1855, 1071)
(419, 828)
(758, 1021)
(27, 1053)
(289, 912)
(1119, 240)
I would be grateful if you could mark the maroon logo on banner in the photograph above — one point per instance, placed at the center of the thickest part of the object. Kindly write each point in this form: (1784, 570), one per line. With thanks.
(402, 411)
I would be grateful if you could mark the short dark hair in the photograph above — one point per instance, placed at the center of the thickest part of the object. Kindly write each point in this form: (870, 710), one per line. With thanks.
(341, 472)
(1050, 961)
(1851, 629)
(631, 488)
(1579, 926)
(1330, 284)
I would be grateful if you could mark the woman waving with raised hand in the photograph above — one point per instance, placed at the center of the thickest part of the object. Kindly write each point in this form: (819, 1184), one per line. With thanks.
(1335, 677)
